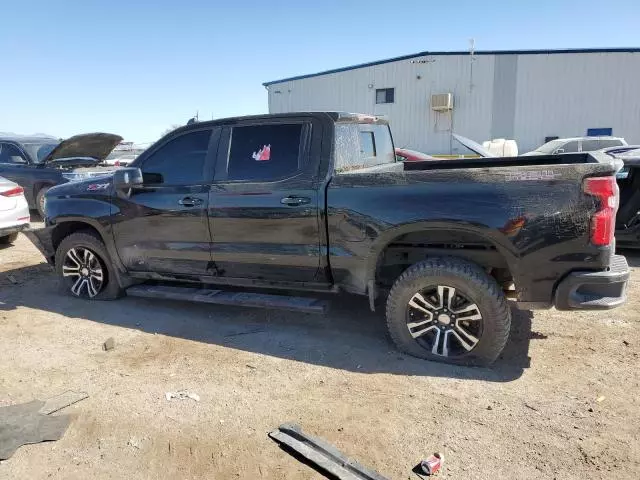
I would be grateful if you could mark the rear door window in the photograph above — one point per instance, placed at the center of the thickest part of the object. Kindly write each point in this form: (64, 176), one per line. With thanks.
(265, 152)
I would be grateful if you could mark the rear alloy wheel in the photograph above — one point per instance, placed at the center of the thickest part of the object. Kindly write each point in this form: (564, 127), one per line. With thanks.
(82, 267)
(449, 310)
(444, 321)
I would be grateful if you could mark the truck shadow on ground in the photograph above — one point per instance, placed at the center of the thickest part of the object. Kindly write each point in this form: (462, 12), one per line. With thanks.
(350, 337)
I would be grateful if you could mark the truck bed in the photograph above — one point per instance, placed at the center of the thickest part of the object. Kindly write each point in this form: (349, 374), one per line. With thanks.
(534, 160)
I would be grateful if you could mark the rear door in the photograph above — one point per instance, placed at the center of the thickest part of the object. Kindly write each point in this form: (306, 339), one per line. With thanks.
(161, 226)
(263, 205)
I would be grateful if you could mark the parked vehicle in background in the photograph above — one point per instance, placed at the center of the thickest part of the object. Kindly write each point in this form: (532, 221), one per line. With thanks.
(39, 163)
(317, 202)
(406, 155)
(576, 144)
(119, 159)
(14, 211)
(628, 217)
(123, 154)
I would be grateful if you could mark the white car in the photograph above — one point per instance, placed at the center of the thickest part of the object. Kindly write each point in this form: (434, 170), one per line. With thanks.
(119, 159)
(576, 144)
(14, 211)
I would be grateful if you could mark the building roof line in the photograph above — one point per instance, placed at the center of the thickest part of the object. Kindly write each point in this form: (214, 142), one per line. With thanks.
(461, 52)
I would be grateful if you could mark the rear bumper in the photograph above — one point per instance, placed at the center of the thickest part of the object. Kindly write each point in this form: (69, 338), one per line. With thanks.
(594, 290)
(4, 231)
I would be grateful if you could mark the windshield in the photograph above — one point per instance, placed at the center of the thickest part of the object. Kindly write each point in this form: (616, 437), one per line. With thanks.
(39, 151)
(549, 147)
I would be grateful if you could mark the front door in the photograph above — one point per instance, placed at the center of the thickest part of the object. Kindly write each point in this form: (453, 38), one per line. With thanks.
(263, 205)
(161, 226)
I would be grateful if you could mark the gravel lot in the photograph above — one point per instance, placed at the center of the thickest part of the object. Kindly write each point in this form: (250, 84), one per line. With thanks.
(562, 402)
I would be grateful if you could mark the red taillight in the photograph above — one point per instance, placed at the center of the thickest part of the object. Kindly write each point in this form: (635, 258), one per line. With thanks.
(605, 189)
(14, 192)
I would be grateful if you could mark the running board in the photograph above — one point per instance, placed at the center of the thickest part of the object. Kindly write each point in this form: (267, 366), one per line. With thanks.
(222, 297)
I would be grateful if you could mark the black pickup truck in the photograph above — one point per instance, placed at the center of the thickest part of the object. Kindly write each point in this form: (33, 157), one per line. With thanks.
(316, 202)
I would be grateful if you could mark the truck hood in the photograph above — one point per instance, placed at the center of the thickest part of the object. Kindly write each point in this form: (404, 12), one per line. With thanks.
(77, 150)
(473, 146)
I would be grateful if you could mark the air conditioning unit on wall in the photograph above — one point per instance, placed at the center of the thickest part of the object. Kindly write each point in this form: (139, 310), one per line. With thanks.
(442, 102)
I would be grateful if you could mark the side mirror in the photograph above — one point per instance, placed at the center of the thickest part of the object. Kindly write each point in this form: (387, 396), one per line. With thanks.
(127, 178)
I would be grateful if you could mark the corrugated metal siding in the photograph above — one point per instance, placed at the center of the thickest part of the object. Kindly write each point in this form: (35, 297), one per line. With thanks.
(560, 94)
(564, 95)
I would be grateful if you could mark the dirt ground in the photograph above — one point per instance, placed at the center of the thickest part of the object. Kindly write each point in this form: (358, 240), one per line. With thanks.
(562, 402)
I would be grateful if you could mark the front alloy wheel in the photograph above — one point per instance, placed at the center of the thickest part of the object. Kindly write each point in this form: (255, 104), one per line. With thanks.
(443, 320)
(82, 267)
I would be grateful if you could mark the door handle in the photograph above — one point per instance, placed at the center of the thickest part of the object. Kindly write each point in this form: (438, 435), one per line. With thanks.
(293, 201)
(190, 201)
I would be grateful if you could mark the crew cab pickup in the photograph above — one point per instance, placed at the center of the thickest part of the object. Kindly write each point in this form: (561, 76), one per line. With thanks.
(317, 202)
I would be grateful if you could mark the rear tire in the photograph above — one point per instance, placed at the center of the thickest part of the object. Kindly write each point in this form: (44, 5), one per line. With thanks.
(458, 314)
(8, 239)
(40, 200)
(85, 269)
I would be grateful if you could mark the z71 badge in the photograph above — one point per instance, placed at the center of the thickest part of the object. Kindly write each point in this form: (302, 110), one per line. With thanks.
(92, 187)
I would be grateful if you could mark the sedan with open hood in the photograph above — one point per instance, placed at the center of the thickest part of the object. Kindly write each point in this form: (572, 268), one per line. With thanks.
(37, 163)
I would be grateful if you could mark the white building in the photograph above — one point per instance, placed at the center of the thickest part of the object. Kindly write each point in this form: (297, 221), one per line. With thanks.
(523, 95)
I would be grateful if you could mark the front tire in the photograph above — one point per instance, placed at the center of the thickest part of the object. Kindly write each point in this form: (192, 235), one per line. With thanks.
(40, 200)
(448, 309)
(85, 269)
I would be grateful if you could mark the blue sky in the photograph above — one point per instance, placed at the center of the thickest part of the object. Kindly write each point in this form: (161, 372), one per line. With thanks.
(137, 67)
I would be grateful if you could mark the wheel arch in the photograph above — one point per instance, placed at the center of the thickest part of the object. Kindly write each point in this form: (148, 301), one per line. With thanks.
(439, 239)
(67, 226)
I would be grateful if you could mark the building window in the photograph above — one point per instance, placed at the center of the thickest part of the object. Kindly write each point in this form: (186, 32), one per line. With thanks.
(385, 95)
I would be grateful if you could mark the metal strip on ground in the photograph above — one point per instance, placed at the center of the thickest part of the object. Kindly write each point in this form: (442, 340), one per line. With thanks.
(322, 454)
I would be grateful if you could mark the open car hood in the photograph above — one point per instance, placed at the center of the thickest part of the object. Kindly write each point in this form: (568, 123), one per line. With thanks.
(82, 148)
(73, 162)
(473, 146)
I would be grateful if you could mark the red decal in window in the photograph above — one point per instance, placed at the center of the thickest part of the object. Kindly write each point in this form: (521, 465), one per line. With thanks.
(263, 154)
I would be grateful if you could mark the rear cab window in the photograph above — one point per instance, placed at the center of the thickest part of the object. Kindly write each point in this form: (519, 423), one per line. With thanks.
(362, 147)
